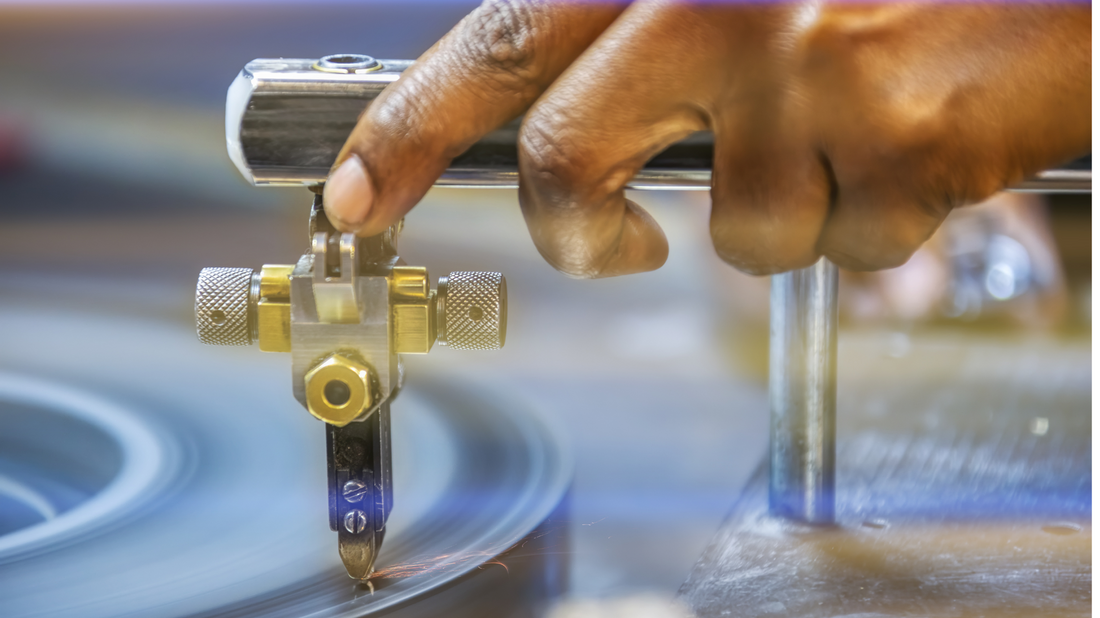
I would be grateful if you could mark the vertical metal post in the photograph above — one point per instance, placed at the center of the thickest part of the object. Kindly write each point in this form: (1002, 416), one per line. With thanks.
(802, 390)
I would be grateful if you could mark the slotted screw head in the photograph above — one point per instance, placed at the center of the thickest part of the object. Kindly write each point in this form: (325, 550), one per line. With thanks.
(221, 306)
(355, 490)
(355, 521)
(475, 310)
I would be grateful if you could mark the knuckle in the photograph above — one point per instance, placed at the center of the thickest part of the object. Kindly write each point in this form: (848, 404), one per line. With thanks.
(877, 95)
(550, 162)
(554, 193)
(403, 114)
(567, 161)
(502, 37)
(406, 123)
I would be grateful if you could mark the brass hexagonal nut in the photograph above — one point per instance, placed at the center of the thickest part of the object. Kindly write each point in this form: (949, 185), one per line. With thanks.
(338, 389)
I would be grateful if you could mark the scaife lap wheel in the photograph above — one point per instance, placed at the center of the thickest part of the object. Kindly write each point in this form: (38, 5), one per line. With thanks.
(143, 474)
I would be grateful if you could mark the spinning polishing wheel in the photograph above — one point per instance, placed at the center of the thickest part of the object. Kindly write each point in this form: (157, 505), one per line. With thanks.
(142, 474)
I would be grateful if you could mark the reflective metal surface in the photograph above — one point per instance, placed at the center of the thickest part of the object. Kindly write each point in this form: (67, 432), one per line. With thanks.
(223, 306)
(338, 389)
(287, 118)
(474, 310)
(1049, 181)
(966, 490)
(347, 63)
(802, 390)
(347, 311)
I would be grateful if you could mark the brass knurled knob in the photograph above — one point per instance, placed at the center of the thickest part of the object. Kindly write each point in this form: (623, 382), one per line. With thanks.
(222, 299)
(472, 310)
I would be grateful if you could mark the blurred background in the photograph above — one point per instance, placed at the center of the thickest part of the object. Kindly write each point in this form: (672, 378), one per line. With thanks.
(115, 189)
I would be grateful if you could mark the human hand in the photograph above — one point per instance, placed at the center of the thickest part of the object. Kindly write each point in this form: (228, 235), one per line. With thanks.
(848, 131)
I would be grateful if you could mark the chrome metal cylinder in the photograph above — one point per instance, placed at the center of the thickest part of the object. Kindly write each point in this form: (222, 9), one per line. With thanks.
(802, 392)
(287, 118)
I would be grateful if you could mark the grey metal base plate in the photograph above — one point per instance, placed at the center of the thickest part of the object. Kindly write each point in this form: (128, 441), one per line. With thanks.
(964, 489)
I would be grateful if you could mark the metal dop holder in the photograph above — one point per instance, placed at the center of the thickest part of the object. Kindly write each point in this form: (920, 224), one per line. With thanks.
(347, 312)
(802, 393)
(347, 309)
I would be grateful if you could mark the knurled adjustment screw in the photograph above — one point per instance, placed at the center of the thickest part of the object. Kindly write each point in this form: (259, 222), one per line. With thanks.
(224, 299)
(472, 310)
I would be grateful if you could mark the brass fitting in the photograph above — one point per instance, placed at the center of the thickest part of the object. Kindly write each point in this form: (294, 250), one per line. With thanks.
(273, 308)
(413, 306)
(338, 389)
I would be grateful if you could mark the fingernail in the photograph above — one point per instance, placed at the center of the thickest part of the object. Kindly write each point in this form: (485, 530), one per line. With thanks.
(348, 195)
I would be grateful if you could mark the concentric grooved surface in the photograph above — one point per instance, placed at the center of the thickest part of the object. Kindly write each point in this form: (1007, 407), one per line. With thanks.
(236, 439)
(475, 310)
(221, 306)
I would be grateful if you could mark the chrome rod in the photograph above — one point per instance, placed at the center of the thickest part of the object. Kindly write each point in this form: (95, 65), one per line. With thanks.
(1049, 181)
(802, 391)
(286, 119)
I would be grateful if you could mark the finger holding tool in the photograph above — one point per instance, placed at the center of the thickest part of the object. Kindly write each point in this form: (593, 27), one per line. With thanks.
(350, 307)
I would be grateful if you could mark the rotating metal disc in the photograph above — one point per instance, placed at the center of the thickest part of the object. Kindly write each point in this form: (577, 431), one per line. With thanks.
(146, 474)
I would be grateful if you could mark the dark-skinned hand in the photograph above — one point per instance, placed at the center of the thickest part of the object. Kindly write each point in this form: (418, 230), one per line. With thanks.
(843, 130)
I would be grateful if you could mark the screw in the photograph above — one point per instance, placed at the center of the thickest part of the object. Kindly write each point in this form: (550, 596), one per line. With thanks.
(355, 521)
(354, 490)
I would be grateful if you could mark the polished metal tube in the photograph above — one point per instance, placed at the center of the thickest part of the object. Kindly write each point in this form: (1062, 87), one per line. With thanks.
(286, 119)
(802, 391)
(1050, 181)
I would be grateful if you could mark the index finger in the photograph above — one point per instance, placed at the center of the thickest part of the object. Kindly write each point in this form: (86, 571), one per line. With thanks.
(485, 72)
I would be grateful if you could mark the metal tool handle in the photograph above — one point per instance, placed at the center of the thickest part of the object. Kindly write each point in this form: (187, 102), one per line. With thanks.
(286, 120)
